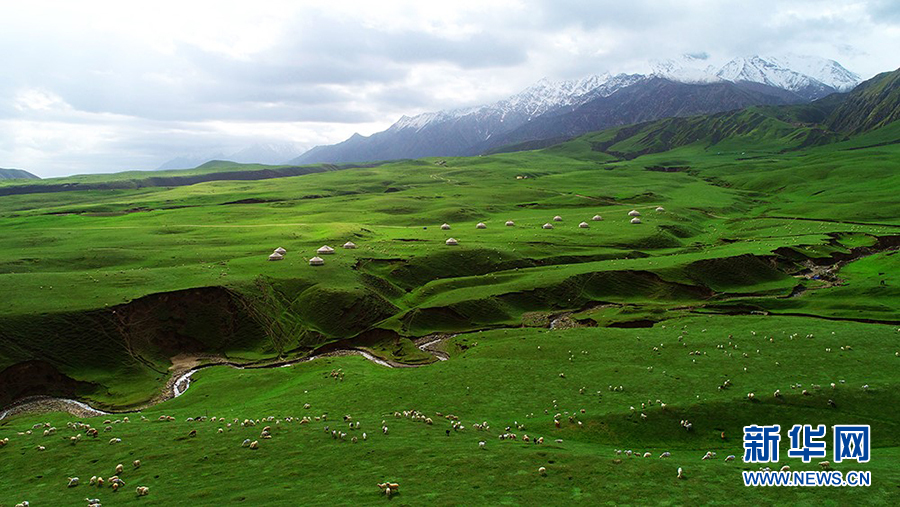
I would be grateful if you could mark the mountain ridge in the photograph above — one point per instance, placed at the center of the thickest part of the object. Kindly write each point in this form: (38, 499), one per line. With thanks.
(469, 131)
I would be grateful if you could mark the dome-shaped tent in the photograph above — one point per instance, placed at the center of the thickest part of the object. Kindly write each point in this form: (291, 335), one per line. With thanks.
(276, 256)
(583, 225)
(280, 250)
(349, 245)
(660, 208)
(597, 218)
(634, 213)
(510, 223)
(451, 242)
(325, 250)
(316, 261)
(635, 220)
(557, 218)
(481, 226)
(547, 226)
(445, 227)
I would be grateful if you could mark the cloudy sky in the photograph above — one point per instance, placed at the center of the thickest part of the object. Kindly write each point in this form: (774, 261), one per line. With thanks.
(111, 86)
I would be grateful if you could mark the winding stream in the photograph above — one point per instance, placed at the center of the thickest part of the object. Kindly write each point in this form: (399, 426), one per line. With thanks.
(183, 382)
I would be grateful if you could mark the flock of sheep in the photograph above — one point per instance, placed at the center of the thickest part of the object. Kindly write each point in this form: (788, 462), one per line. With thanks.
(347, 428)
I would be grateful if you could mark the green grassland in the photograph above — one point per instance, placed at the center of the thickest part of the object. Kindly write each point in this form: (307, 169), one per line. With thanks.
(778, 240)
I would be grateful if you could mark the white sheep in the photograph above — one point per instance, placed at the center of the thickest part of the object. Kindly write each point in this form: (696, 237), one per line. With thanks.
(120, 468)
(666, 454)
(481, 444)
(542, 470)
(245, 443)
(142, 491)
(730, 457)
(254, 444)
(73, 481)
(680, 473)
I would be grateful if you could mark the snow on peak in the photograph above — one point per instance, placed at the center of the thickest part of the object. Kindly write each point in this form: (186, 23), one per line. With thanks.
(790, 72)
(685, 70)
(543, 96)
(809, 76)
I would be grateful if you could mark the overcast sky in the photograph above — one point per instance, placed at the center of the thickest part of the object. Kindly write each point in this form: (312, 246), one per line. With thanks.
(112, 86)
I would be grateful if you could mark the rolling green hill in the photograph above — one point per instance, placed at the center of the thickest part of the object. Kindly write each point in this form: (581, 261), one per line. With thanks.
(766, 256)
(16, 174)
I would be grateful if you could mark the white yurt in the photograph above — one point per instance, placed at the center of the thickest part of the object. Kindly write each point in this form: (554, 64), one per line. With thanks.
(316, 261)
(445, 227)
(325, 250)
(452, 242)
(350, 245)
(635, 220)
(481, 226)
(557, 218)
(660, 208)
(276, 256)
(280, 250)
(583, 225)
(597, 218)
(547, 226)
(510, 223)
(634, 213)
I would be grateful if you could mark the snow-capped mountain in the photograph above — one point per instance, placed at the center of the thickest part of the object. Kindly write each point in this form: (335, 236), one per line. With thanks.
(808, 76)
(540, 98)
(555, 109)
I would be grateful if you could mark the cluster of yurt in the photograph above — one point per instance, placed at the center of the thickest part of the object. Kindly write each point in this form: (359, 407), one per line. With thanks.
(277, 254)
(633, 214)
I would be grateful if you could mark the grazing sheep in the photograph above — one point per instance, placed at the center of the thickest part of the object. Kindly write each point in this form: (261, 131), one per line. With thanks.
(23, 504)
(4, 442)
(481, 444)
(647, 454)
(666, 454)
(93, 502)
(192, 434)
(542, 470)
(114, 441)
(136, 463)
(365, 436)
(825, 464)
(680, 473)
(751, 396)
(245, 443)
(73, 481)
(785, 468)
(99, 482)
(93, 480)
(730, 457)
(142, 491)
(254, 445)
(41, 448)
(120, 468)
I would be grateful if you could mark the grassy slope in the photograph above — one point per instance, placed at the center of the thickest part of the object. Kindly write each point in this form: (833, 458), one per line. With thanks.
(731, 206)
(84, 250)
(486, 381)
